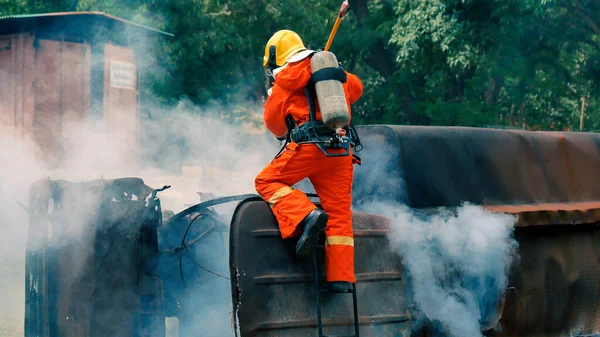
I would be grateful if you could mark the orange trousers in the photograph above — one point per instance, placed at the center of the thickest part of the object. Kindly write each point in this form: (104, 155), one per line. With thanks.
(332, 180)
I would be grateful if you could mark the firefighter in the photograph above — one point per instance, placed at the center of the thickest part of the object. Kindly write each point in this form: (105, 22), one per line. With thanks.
(287, 60)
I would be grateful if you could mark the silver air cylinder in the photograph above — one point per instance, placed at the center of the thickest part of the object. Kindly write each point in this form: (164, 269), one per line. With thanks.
(330, 93)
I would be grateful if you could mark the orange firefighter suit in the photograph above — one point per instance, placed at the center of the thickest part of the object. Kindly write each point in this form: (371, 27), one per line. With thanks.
(331, 176)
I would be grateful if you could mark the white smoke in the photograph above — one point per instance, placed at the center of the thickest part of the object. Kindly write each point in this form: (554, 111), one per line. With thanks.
(222, 158)
(456, 264)
(17, 170)
(193, 149)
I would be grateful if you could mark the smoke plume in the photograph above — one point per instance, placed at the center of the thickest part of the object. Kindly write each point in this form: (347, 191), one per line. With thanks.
(456, 260)
(215, 149)
(16, 173)
(222, 158)
(456, 263)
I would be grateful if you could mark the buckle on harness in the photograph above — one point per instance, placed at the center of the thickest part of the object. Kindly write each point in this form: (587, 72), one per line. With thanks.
(323, 137)
(314, 131)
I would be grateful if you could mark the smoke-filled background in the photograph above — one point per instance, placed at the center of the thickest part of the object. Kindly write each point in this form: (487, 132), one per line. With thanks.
(16, 172)
(208, 147)
(194, 148)
(457, 265)
(94, 154)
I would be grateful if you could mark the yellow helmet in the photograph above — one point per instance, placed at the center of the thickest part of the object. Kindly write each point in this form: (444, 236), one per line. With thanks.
(281, 46)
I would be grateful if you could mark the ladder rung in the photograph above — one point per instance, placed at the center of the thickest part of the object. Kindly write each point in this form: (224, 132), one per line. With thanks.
(320, 289)
(326, 290)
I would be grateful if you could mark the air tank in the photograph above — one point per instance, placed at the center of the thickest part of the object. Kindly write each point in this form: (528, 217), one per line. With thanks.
(330, 93)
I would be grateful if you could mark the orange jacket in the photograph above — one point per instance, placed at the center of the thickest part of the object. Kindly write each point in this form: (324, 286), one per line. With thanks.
(288, 97)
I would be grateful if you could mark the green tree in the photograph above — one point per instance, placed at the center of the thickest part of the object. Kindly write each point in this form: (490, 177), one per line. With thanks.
(517, 63)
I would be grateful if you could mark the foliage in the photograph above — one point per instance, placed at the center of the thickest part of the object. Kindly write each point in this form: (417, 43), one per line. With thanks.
(519, 63)
(494, 61)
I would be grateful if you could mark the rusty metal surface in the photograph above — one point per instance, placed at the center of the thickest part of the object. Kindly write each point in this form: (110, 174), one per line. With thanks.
(121, 103)
(545, 178)
(89, 258)
(548, 214)
(274, 295)
(501, 169)
(8, 85)
(56, 70)
(556, 283)
(16, 88)
(48, 112)
(44, 90)
(554, 287)
(574, 206)
(47, 90)
(62, 94)
(75, 81)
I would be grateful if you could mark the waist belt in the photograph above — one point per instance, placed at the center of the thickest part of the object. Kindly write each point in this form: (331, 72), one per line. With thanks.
(325, 138)
(303, 133)
(316, 132)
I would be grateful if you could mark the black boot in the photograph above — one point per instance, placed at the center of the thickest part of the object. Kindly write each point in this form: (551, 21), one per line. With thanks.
(340, 287)
(314, 223)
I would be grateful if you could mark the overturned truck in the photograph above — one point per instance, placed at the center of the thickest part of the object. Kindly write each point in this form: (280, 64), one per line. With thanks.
(129, 266)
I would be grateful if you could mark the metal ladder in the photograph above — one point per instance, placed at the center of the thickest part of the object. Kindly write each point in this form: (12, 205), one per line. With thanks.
(318, 289)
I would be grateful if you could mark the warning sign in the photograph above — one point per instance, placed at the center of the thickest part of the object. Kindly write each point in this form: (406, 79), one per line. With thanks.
(122, 75)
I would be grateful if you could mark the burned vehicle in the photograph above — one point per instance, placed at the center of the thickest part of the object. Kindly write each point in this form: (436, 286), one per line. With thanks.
(132, 265)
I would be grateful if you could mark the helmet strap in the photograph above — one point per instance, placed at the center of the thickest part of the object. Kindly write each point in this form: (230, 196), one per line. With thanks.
(272, 63)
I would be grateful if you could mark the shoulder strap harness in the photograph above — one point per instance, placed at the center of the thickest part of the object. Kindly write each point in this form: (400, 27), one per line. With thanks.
(316, 132)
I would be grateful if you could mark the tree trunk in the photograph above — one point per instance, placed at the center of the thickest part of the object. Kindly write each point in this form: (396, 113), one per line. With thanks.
(522, 90)
(512, 115)
(582, 113)
(522, 111)
(493, 91)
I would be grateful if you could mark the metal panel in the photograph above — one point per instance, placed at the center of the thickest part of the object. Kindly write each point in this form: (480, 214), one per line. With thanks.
(274, 295)
(552, 213)
(554, 287)
(16, 95)
(546, 178)
(75, 78)
(62, 94)
(51, 56)
(48, 113)
(43, 88)
(120, 98)
(89, 260)
(446, 166)
(556, 284)
(8, 85)
(28, 91)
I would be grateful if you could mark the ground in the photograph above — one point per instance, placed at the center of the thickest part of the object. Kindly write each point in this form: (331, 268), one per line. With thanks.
(12, 298)
(10, 329)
